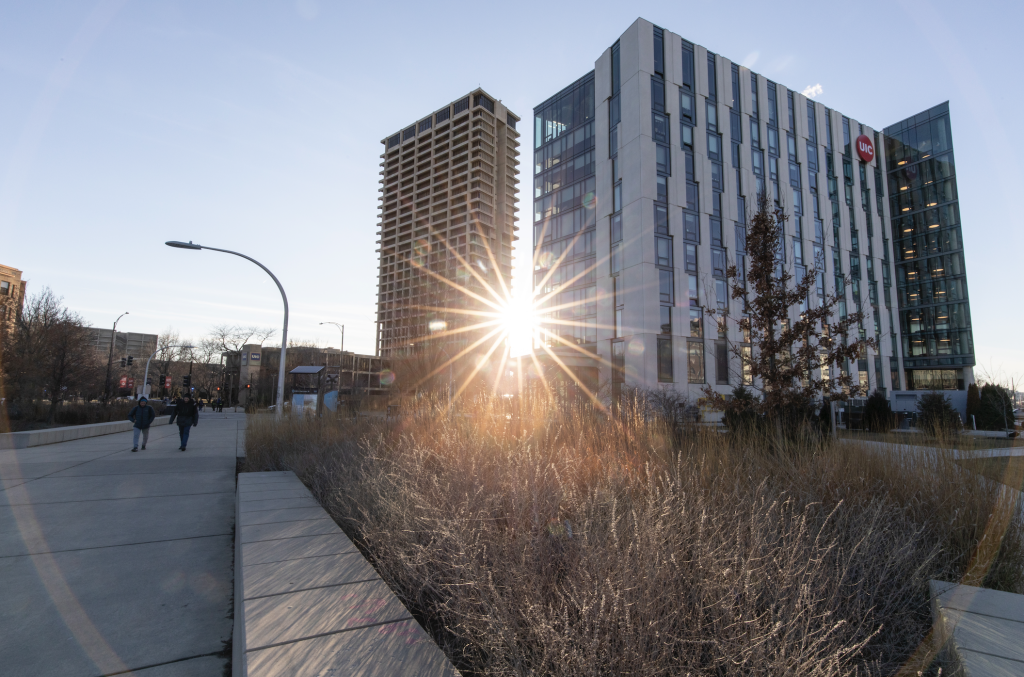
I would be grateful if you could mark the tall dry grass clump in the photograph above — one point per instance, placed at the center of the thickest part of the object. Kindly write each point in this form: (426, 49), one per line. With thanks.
(536, 539)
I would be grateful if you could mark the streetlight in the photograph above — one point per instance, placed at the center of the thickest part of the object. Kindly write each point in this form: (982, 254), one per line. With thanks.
(284, 332)
(110, 358)
(342, 327)
(145, 379)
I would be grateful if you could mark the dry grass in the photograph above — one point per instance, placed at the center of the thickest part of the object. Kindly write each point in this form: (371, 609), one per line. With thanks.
(553, 541)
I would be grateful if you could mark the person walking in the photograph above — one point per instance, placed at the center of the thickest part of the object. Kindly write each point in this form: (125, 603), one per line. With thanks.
(187, 415)
(142, 415)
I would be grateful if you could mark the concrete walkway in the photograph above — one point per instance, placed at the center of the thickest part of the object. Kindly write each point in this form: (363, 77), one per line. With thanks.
(114, 562)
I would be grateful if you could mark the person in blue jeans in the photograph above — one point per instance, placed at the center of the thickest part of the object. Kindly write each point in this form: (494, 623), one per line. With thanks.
(142, 416)
(187, 415)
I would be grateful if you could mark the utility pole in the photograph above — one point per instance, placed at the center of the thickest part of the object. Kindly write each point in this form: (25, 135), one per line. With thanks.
(110, 357)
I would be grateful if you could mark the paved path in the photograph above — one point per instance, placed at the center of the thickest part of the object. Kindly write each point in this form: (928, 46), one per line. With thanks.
(114, 562)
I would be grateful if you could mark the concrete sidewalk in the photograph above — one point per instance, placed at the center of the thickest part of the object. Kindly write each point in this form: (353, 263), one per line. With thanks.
(114, 562)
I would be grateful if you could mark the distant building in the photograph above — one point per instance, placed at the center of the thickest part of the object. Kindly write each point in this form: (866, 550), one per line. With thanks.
(448, 185)
(251, 373)
(12, 295)
(139, 346)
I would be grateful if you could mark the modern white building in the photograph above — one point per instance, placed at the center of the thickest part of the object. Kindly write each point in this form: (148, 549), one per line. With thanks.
(645, 172)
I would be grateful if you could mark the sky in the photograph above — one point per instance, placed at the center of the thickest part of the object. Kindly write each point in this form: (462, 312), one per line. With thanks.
(256, 126)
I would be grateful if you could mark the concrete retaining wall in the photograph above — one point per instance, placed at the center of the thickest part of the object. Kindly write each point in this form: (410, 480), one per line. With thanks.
(307, 602)
(36, 438)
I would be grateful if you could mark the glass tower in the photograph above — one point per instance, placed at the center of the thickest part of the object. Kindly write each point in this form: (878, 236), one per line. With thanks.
(934, 309)
(564, 222)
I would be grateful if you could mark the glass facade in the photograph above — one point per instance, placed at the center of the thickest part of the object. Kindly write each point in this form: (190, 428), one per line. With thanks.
(564, 220)
(931, 280)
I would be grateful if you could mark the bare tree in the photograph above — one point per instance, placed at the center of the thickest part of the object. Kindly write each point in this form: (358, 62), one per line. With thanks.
(47, 354)
(231, 338)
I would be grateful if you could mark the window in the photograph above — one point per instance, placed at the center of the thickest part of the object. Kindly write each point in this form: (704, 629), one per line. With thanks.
(461, 105)
(657, 94)
(659, 51)
(616, 228)
(686, 105)
(662, 188)
(812, 123)
(686, 133)
(712, 113)
(661, 219)
(696, 323)
(773, 141)
(481, 100)
(663, 251)
(735, 88)
(5, 288)
(665, 284)
(718, 262)
(741, 238)
(691, 258)
(687, 74)
(510, 121)
(666, 319)
(714, 146)
(691, 229)
(773, 109)
(665, 360)
(695, 361)
(692, 197)
(792, 117)
(712, 79)
(663, 159)
(616, 258)
(722, 298)
(424, 125)
(753, 99)
(846, 135)
(394, 140)
(615, 68)
(721, 363)
(660, 127)
(409, 133)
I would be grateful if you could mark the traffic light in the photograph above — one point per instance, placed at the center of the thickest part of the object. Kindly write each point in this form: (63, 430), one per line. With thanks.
(218, 389)
(123, 361)
(248, 386)
(149, 381)
(130, 358)
(186, 381)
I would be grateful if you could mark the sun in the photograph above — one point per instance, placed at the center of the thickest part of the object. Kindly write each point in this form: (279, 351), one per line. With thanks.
(519, 321)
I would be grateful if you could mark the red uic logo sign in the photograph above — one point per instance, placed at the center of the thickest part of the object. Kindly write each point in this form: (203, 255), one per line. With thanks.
(865, 148)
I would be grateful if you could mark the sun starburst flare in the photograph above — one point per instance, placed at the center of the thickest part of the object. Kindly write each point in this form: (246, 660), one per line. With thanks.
(504, 329)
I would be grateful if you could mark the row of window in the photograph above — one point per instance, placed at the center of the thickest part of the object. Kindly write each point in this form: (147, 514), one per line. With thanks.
(938, 291)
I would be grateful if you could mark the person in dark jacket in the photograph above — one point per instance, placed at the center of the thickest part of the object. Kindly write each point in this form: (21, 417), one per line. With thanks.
(142, 416)
(187, 415)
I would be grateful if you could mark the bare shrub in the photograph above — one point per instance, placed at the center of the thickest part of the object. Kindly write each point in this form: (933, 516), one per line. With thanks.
(557, 541)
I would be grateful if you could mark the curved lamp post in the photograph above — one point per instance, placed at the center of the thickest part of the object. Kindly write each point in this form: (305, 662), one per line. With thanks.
(145, 380)
(284, 332)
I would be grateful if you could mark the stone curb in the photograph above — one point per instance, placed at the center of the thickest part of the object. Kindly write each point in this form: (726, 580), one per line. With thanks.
(306, 600)
(978, 632)
(37, 438)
